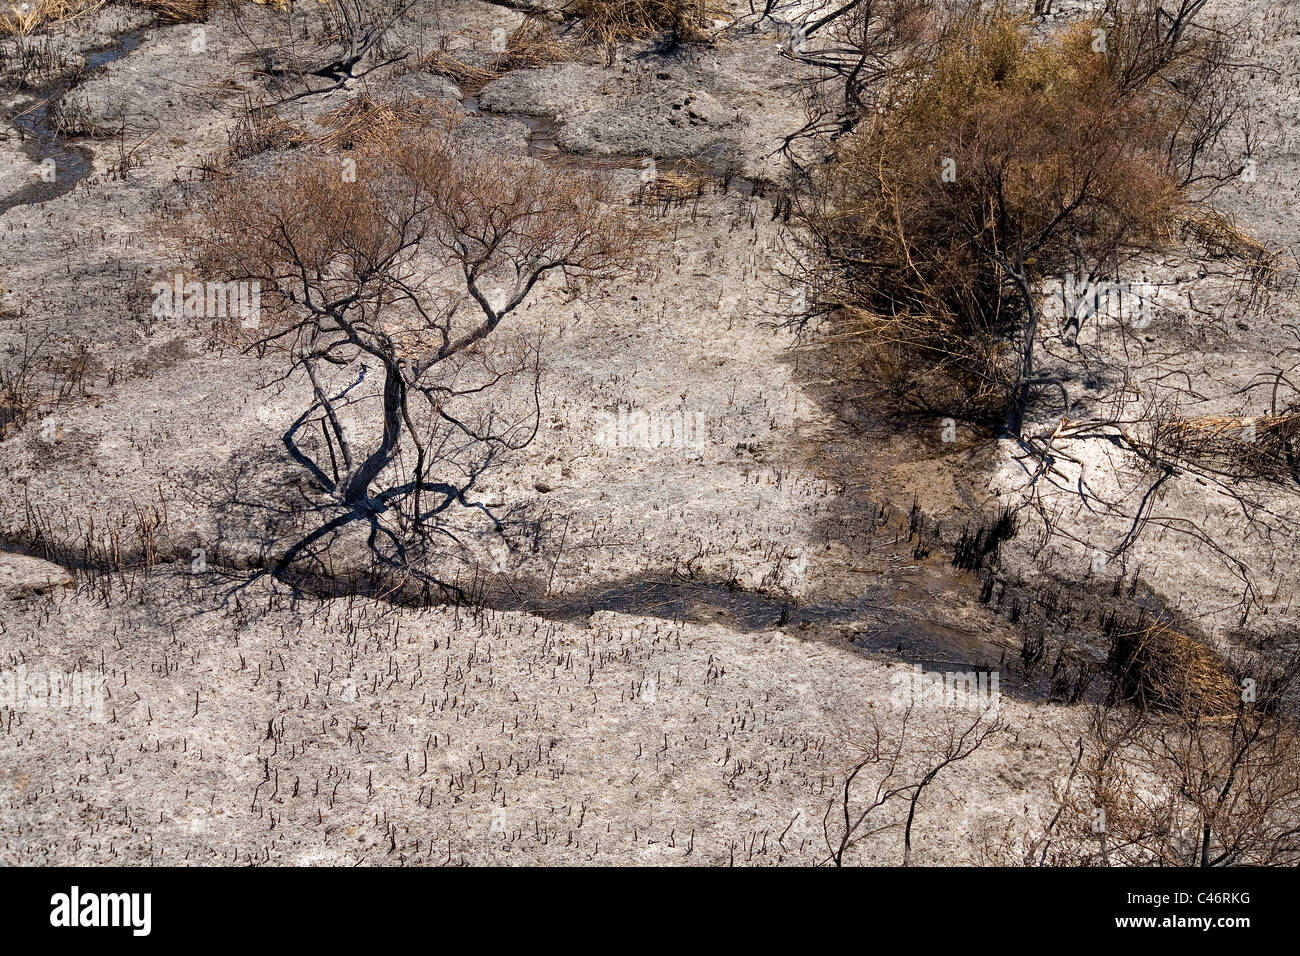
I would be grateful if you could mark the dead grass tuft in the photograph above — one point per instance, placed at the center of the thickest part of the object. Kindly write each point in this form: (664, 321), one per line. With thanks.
(1222, 238)
(1159, 668)
(259, 130)
(365, 123)
(610, 22)
(677, 184)
(1260, 446)
(22, 19)
(533, 44)
(464, 74)
(179, 11)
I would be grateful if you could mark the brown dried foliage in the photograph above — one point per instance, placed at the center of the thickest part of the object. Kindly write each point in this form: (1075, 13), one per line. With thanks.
(1062, 157)
(412, 265)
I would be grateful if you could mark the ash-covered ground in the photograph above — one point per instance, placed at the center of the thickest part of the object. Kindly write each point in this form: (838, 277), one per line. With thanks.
(674, 649)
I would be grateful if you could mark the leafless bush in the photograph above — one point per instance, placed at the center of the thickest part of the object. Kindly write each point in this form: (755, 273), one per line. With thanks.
(410, 266)
(891, 773)
(35, 378)
(1168, 789)
(860, 44)
(348, 40)
(1193, 761)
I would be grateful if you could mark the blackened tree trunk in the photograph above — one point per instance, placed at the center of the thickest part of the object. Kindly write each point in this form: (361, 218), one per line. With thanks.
(355, 486)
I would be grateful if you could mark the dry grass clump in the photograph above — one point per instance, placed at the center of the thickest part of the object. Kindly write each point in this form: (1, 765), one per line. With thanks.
(1224, 239)
(259, 130)
(179, 11)
(461, 72)
(610, 22)
(1260, 446)
(994, 158)
(1159, 668)
(533, 44)
(365, 123)
(22, 19)
(675, 185)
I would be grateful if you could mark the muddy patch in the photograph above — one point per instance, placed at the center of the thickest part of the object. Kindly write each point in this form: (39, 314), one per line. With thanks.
(44, 144)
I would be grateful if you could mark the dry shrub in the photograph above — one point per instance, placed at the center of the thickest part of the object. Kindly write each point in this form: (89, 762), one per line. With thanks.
(1060, 158)
(1157, 667)
(1159, 789)
(1200, 773)
(411, 266)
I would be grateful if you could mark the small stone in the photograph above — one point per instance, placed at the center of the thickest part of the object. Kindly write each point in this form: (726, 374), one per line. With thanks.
(543, 487)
